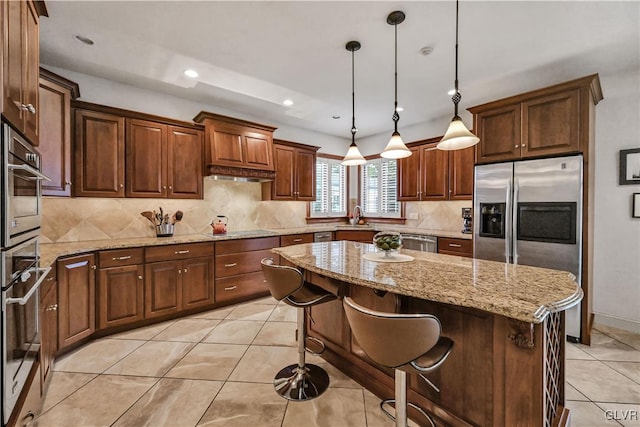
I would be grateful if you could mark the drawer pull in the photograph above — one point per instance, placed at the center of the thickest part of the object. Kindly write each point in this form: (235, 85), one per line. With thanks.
(233, 264)
(182, 252)
(52, 307)
(121, 258)
(297, 240)
(230, 288)
(454, 245)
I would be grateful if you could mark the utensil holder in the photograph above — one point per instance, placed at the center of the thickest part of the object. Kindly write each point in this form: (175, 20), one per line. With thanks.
(164, 230)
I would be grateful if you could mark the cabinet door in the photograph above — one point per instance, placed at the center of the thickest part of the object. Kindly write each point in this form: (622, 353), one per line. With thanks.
(184, 163)
(461, 164)
(434, 169)
(499, 131)
(162, 289)
(409, 177)
(13, 62)
(146, 164)
(99, 154)
(31, 71)
(284, 161)
(197, 282)
(49, 330)
(551, 125)
(305, 175)
(120, 295)
(76, 299)
(55, 138)
(258, 151)
(225, 146)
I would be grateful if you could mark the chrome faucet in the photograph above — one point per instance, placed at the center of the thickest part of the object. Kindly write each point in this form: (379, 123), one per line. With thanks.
(356, 216)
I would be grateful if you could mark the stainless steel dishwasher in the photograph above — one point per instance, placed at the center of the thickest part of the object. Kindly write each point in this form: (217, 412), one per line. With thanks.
(324, 236)
(419, 242)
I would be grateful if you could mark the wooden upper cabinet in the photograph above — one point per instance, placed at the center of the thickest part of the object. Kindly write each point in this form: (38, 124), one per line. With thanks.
(409, 180)
(99, 154)
(56, 93)
(146, 163)
(435, 173)
(543, 123)
(20, 62)
(184, 163)
(295, 172)
(432, 174)
(156, 157)
(235, 147)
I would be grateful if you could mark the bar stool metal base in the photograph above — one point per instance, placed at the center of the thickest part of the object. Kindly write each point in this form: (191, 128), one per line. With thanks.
(391, 402)
(301, 383)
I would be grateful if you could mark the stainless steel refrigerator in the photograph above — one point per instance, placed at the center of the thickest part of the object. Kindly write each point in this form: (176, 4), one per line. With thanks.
(530, 212)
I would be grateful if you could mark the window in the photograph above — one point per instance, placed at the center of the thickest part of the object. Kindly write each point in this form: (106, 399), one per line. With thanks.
(331, 189)
(379, 185)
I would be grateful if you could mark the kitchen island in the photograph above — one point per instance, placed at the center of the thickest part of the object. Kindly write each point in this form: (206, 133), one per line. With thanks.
(507, 322)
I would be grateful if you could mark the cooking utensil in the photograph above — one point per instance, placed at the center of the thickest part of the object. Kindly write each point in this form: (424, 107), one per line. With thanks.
(177, 216)
(165, 219)
(149, 216)
(161, 217)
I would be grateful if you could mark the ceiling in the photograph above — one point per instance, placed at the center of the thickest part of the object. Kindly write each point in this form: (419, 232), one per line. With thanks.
(253, 55)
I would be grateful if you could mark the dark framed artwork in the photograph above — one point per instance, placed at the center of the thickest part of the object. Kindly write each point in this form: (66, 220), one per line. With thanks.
(635, 210)
(630, 166)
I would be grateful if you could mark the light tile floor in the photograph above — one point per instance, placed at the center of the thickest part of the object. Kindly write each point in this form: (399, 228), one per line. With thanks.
(217, 368)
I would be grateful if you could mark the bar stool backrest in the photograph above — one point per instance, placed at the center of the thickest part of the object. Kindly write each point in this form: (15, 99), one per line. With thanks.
(281, 279)
(392, 339)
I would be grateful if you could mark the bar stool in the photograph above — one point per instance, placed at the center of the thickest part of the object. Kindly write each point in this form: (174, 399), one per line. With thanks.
(405, 342)
(301, 381)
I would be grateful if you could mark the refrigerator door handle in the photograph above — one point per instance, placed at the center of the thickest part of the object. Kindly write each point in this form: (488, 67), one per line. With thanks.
(507, 231)
(514, 221)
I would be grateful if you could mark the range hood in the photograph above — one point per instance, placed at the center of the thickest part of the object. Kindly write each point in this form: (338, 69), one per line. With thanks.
(236, 149)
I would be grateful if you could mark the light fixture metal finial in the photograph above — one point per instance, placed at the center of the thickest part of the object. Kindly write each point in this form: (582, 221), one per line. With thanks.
(353, 156)
(457, 136)
(395, 149)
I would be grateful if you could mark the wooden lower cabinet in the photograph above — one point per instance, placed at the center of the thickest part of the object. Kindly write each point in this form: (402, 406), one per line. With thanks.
(162, 290)
(365, 236)
(48, 325)
(120, 295)
(244, 285)
(32, 404)
(76, 298)
(197, 282)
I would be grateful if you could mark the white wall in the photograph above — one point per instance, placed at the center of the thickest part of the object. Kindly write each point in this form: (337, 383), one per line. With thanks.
(114, 94)
(616, 300)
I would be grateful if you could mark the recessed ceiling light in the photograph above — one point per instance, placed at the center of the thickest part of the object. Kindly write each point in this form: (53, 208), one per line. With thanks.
(287, 102)
(399, 109)
(83, 39)
(427, 50)
(191, 73)
(336, 117)
(451, 92)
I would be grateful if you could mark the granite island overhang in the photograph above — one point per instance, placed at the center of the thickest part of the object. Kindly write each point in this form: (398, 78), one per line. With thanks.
(507, 322)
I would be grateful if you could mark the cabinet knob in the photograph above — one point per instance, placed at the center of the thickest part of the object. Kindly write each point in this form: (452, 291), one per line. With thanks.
(121, 185)
(524, 145)
(93, 267)
(52, 307)
(517, 146)
(164, 187)
(140, 277)
(185, 270)
(170, 187)
(30, 108)
(179, 271)
(68, 183)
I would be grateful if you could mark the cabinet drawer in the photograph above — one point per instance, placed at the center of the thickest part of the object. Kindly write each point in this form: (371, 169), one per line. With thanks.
(296, 239)
(120, 257)
(174, 252)
(355, 235)
(234, 264)
(462, 247)
(245, 245)
(240, 286)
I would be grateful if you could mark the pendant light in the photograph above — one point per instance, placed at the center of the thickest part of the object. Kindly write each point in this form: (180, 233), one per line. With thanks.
(395, 149)
(457, 136)
(353, 156)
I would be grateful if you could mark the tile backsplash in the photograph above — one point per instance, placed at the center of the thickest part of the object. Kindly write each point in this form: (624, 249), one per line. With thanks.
(88, 218)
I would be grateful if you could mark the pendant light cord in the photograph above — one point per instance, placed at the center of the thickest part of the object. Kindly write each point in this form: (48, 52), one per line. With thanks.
(396, 116)
(456, 96)
(353, 100)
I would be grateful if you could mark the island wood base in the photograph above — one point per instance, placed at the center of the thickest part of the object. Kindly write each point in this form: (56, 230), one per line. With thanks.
(501, 372)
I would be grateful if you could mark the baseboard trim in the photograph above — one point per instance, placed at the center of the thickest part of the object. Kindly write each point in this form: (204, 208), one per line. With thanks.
(616, 322)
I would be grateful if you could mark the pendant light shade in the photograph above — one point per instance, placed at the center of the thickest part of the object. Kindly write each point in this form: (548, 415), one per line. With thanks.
(457, 136)
(353, 156)
(395, 149)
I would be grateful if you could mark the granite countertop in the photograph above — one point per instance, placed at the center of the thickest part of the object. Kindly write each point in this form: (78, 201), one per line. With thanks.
(49, 252)
(515, 291)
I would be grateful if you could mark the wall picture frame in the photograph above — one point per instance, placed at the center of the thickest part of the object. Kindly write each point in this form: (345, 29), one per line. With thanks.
(635, 210)
(630, 167)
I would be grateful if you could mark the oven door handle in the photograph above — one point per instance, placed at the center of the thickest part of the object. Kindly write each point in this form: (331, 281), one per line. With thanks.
(33, 171)
(25, 299)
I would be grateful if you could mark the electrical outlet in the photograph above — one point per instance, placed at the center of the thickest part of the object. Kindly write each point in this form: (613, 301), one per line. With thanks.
(413, 215)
